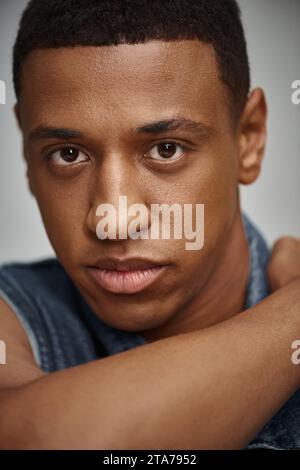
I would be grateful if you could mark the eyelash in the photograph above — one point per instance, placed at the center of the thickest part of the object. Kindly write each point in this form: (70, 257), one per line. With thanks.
(184, 149)
(49, 155)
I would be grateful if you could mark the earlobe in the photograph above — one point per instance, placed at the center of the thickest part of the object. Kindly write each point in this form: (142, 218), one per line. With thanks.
(252, 137)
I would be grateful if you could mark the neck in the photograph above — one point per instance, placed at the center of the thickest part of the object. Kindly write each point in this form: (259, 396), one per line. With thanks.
(223, 295)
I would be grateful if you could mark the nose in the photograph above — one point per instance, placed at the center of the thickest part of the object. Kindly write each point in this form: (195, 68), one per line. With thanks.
(118, 209)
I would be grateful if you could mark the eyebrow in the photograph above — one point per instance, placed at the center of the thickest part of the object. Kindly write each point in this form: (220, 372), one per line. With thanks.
(42, 133)
(173, 125)
(157, 127)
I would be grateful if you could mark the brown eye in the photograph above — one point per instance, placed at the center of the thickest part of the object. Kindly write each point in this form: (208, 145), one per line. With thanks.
(68, 156)
(166, 151)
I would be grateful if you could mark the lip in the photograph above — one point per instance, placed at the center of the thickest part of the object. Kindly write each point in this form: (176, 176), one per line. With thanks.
(126, 276)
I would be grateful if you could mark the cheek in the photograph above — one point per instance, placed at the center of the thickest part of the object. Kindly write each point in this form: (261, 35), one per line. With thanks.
(63, 211)
(214, 185)
(63, 223)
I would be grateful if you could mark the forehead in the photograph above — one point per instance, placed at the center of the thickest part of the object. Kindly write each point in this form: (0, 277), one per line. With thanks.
(131, 82)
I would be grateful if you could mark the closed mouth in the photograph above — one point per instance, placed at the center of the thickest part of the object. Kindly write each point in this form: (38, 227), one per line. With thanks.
(126, 276)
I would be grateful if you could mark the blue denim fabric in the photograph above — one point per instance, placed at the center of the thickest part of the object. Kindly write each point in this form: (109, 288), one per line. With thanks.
(63, 331)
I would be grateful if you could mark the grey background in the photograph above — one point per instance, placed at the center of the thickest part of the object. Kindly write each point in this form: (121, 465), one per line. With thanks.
(273, 34)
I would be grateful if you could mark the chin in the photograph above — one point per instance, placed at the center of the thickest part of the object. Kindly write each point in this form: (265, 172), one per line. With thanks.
(134, 322)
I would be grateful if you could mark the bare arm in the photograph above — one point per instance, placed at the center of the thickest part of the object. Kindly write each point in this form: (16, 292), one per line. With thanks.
(284, 266)
(206, 389)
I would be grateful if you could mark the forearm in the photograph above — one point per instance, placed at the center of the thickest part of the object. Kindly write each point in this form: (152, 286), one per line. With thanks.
(206, 389)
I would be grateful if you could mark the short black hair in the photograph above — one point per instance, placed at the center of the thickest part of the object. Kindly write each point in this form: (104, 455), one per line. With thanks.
(66, 23)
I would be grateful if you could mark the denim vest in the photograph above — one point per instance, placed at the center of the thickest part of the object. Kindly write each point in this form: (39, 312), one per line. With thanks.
(63, 331)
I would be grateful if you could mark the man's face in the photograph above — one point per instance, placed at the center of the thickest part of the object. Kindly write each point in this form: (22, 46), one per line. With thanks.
(111, 97)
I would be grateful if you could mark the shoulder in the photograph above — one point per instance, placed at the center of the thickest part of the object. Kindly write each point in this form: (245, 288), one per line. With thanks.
(43, 274)
(255, 236)
(29, 283)
(48, 305)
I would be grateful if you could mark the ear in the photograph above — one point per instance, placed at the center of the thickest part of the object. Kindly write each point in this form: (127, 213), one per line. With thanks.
(252, 137)
(17, 115)
(29, 182)
(18, 119)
